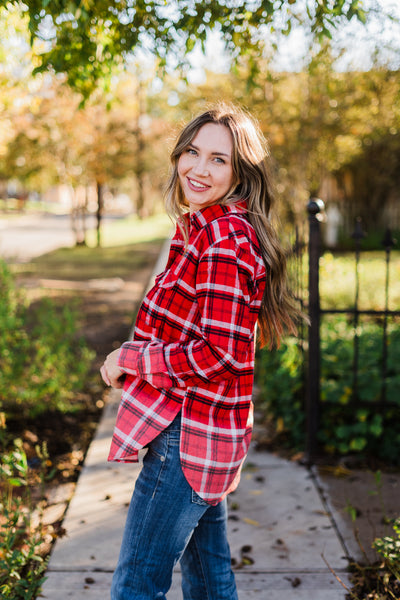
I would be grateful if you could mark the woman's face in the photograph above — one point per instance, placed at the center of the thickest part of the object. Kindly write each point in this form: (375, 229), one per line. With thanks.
(205, 167)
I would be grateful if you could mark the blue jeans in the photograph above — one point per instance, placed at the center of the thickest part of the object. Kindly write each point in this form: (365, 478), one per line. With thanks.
(167, 521)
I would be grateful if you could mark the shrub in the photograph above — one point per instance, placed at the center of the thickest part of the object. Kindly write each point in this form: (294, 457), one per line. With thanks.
(280, 377)
(346, 424)
(21, 564)
(43, 363)
(389, 548)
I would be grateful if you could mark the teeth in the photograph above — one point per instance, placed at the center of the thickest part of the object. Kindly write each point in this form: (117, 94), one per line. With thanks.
(197, 184)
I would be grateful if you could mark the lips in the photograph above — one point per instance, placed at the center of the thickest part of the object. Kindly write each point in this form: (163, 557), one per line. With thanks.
(197, 186)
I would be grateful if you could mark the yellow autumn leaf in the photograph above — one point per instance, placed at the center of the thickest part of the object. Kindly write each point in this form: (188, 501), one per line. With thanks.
(251, 522)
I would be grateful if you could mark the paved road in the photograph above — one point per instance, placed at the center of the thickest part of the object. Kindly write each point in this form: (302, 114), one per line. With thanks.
(22, 238)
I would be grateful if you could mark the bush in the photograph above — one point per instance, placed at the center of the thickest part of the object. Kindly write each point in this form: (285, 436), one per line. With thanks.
(280, 377)
(346, 424)
(43, 364)
(42, 361)
(389, 549)
(22, 567)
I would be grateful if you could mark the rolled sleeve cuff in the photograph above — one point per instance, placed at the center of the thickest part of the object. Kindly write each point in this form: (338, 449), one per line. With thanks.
(142, 359)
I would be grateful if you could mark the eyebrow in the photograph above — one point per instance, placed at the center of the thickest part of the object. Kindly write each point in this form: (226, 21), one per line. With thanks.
(213, 153)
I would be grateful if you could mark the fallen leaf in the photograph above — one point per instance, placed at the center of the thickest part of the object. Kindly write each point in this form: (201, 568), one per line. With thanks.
(251, 522)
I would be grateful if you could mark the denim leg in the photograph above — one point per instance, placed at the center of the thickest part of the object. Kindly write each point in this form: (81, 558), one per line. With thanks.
(206, 562)
(160, 521)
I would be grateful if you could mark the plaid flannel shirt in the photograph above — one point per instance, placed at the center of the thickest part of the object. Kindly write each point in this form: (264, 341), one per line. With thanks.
(193, 351)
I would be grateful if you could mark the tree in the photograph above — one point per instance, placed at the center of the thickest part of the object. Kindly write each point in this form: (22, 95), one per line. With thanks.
(89, 39)
(331, 133)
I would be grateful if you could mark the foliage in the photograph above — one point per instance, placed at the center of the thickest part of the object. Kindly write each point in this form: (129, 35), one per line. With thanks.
(86, 40)
(279, 375)
(389, 548)
(346, 425)
(43, 364)
(380, 581)
(367, 190)
(42, 361)
(57, 142)
(48, 138)
(323, 125)
(358, 425)
(21, 564)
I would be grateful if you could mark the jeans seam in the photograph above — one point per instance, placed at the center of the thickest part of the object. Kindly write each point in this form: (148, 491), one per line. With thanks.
(146, 516)
(161, 469)
(201, 565)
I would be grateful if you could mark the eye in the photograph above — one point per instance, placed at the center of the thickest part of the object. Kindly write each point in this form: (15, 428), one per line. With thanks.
(219, 160)
(191, 151)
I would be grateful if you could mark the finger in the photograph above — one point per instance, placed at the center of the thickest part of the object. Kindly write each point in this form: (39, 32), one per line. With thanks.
(117, 380)
(105, 376)
(117, 384)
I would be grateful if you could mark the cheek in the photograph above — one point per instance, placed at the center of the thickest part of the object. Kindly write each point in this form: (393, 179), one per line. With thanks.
(227, 180)
(182, 165)
(180, 172)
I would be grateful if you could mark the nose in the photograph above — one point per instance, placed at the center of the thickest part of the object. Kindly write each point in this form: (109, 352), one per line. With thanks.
(200, 167)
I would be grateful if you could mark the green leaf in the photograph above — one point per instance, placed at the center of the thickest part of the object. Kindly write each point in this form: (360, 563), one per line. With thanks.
(358, 443)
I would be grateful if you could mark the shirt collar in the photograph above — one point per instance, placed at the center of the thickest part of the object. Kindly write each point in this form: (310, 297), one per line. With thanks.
(202, 217)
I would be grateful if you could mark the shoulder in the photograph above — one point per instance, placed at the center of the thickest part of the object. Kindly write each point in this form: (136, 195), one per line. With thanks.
(231, 240)
(232, 230)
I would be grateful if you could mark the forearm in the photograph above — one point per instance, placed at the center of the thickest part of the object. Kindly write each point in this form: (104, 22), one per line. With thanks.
(181, 365)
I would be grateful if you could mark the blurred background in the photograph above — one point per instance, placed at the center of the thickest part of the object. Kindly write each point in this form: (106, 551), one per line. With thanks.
(92, 95)
(89, 134)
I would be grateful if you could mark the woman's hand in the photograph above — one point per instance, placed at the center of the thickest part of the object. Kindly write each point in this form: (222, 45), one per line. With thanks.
(110, 371)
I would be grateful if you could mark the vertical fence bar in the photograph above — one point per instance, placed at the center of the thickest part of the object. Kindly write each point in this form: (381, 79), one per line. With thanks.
(357, 235)
(300, 246)
(314, 208)
(388, 243)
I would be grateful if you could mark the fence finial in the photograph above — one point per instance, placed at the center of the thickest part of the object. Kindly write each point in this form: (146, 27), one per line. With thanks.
(315, 207)
(358, 233)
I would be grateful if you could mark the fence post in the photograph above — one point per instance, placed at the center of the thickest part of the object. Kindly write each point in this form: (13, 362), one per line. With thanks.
(315, 207)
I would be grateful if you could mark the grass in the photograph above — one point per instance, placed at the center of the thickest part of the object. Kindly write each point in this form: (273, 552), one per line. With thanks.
(128, 244)
(337, 281)
(132, 229)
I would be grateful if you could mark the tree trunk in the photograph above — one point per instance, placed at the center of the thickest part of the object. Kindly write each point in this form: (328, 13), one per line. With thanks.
(78, 215)
(99, 212)
(140, 166)
(75, 215)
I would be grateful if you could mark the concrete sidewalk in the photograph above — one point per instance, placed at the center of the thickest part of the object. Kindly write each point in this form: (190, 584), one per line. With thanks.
(281, 531)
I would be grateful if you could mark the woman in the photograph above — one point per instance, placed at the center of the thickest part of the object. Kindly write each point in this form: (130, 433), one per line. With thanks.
(187, 375)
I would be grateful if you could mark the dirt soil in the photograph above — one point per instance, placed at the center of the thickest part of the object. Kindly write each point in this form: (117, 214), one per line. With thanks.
(365, 503)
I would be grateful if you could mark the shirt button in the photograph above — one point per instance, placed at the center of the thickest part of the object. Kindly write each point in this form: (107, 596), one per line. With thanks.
(162, 458)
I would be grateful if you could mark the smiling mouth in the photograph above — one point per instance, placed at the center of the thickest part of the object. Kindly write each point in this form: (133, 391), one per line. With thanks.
(197, 185)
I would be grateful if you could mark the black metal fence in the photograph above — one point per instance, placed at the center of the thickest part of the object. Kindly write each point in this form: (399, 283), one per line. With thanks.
(312, 340)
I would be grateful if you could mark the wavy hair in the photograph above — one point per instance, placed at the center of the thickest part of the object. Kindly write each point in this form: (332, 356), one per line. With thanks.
(251, 182)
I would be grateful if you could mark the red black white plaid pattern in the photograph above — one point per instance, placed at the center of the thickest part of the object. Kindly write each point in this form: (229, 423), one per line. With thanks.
(193, 350)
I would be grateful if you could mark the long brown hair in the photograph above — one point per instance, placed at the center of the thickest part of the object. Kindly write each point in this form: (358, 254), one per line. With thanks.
(251, 182)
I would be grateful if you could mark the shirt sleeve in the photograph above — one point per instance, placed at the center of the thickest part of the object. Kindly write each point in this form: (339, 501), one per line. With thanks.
(228, 300)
